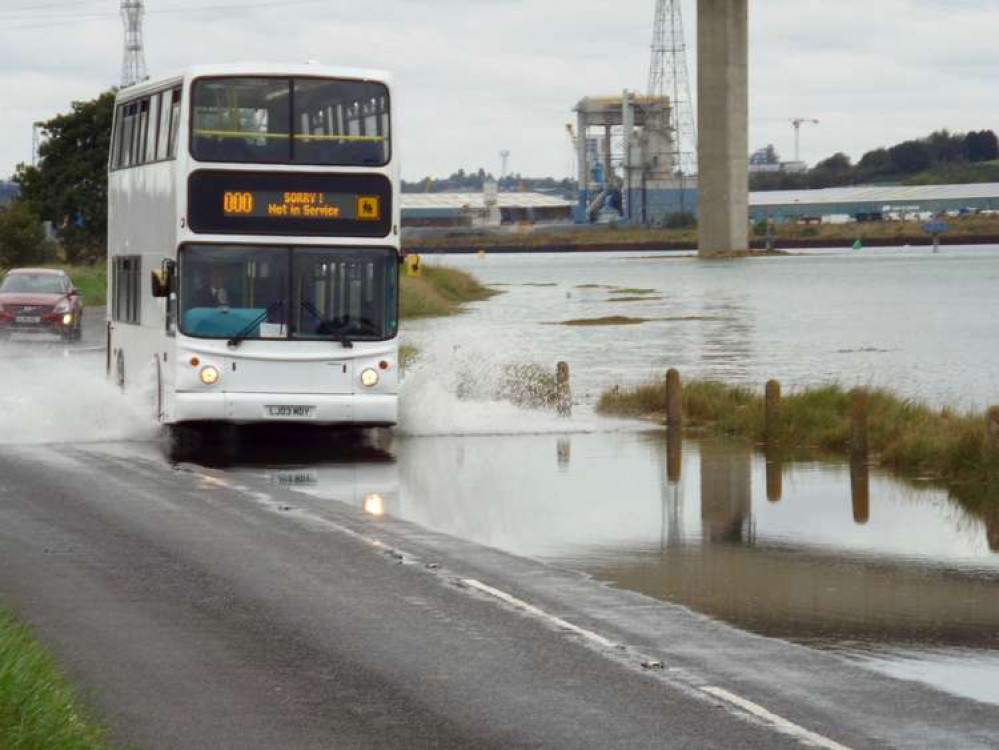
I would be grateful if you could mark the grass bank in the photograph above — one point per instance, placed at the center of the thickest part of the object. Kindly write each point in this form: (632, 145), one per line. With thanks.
(38, 710)
(904, 435)
(440, 291)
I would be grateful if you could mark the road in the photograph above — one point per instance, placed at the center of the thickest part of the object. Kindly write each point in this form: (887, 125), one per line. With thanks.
(195, 609)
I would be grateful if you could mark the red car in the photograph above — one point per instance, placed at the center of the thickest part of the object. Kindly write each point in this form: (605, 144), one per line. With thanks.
(40, 300)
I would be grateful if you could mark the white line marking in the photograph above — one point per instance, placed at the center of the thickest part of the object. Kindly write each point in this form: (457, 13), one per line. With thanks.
(520, 604)
(778, 722)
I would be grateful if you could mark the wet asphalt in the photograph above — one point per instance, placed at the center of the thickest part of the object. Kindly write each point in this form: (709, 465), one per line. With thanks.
(195, 609)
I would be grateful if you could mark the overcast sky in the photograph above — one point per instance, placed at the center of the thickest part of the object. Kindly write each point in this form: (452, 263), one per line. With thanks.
(478, 76)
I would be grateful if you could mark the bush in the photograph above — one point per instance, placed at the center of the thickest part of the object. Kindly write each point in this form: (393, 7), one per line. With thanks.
(22, 238)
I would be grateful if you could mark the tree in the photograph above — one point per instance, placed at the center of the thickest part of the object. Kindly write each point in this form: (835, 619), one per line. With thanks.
(982, 145)
(838, 162)
(22, 239)
(946, 148)
(69, 186)
(875, 163)
(910, 157)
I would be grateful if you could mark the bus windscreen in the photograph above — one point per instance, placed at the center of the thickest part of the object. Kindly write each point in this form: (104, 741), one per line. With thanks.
(264, 120)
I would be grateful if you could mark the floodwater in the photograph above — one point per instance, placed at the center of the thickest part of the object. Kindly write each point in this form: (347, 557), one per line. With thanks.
(922, 323)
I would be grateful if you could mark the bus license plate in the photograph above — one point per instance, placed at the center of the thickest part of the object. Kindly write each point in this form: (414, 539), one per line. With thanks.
(27, 320)
(291, 412)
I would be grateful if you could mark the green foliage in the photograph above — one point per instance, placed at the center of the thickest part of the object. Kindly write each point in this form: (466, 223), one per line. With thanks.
(22, 239)
(439, 291)
(982, 146)
(38, 710)
(940, 157)
(682, 220)
(69, 185)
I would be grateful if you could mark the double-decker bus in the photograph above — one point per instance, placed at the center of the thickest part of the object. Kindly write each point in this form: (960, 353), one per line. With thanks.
(253, 243)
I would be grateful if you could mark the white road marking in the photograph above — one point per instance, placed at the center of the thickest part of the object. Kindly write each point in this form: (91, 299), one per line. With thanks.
(520, 604)
(778, 722)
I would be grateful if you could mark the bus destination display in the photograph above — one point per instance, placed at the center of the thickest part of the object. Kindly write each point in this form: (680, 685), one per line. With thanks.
(290, 204)
(300, 204)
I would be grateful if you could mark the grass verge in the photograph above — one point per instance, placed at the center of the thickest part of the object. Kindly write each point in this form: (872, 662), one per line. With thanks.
(904, 435)
(440, 291)
(38, 710)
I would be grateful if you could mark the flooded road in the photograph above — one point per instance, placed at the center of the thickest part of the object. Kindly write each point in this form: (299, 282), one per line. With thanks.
(896, 576)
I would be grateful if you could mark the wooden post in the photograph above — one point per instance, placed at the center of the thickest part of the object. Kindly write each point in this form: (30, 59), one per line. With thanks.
(992, 430)
(858, 435)
(773, 411)
(674, 399)
(563, 393)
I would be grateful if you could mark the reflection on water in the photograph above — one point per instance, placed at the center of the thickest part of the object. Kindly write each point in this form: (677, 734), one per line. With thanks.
(838, 557)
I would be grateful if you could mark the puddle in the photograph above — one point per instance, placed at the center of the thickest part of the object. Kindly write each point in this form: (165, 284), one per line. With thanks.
(898, 578)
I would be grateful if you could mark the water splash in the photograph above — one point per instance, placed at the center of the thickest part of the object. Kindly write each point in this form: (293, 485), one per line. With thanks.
(475, 388)
(51, 394)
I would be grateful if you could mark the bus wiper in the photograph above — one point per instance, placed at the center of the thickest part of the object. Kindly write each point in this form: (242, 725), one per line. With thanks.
(325, 325)
(239, 337)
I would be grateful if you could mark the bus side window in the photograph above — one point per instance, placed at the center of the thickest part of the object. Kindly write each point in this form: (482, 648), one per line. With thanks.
(154, 120)
(163, 136)
(174, 122)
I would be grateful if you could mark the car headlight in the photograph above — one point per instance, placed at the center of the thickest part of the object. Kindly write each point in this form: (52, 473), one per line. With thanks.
(210, 375)
(369, 377)
(63, 306)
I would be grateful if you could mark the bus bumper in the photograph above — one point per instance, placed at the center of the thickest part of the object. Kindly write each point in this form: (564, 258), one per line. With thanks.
(250, 408)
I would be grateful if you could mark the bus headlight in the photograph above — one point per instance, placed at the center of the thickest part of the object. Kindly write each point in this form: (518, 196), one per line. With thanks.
(369, 377)
(210, 375)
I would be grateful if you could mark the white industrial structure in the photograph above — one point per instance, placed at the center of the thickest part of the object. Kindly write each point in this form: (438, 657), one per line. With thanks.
(637, 155)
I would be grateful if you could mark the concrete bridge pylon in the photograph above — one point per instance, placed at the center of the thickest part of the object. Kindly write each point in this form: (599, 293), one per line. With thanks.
(723, 126)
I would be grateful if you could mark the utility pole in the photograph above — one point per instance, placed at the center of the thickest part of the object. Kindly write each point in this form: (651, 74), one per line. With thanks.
(133, 66)
(797, 122)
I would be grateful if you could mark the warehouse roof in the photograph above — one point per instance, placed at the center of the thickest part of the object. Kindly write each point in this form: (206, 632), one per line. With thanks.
(457, 201)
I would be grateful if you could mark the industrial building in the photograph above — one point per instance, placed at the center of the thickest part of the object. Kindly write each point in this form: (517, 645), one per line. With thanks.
(627, 161)
(484, 209)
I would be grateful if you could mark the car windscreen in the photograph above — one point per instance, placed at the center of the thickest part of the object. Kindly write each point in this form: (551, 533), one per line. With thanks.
(290, 121)
(279, 292)
(32, 283)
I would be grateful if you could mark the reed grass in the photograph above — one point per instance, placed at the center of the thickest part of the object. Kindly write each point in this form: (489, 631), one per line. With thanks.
(38, 710)
(904, 435)
(438, 292)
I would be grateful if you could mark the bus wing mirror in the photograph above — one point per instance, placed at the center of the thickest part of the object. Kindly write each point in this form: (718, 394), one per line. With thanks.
(161, 282)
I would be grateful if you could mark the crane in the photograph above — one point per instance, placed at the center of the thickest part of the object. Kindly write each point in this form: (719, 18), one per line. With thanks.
(797, 122)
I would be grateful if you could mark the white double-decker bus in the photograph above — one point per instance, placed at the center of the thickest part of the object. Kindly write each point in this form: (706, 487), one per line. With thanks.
(253, 242)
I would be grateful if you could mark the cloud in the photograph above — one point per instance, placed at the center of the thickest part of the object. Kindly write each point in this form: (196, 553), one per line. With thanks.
(477, 76)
